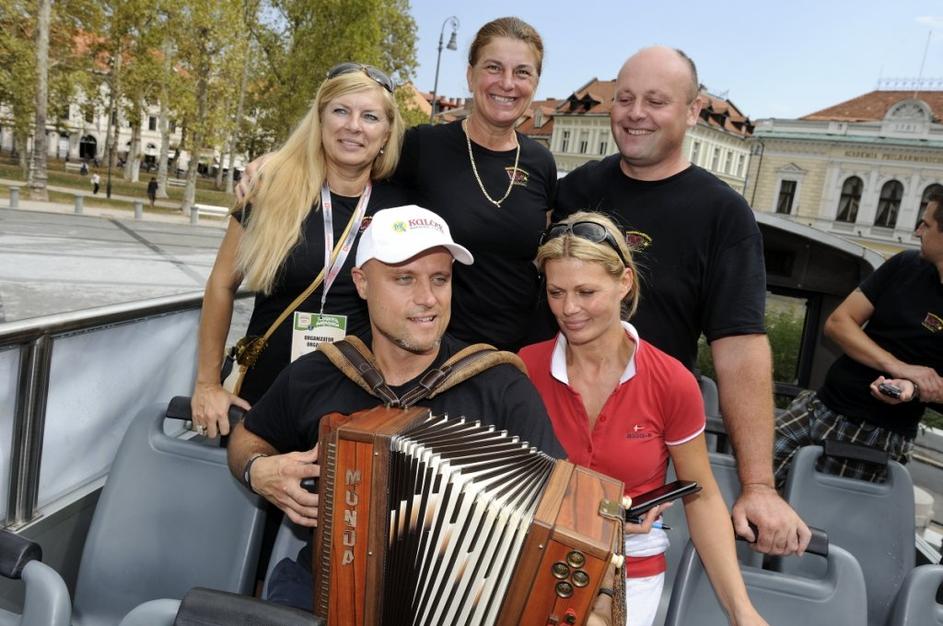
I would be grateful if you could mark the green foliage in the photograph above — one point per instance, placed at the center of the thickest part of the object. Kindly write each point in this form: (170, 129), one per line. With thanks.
(301, 40)
(784, 330)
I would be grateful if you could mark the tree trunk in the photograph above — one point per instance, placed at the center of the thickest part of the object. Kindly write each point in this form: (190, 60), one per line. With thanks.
(114, 123)
(132, 166)
(37, 175)
(164, 123)
(196, 145)
(218, 183)
(237, 129)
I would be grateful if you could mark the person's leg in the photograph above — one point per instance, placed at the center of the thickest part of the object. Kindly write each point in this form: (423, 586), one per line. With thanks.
(292, 585)
(642, 596)
(792, 432)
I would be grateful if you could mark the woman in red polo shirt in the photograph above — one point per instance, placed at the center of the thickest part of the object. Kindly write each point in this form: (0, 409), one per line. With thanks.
(622, 407)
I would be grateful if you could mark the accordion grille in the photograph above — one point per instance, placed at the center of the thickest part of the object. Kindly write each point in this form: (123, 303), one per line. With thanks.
(326, 518)
(462, 497)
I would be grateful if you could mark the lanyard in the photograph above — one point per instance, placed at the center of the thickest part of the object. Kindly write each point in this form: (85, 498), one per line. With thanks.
(332, 267)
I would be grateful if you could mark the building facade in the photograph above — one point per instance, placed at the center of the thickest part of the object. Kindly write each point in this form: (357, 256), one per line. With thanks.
(862, 168)
(717, 143)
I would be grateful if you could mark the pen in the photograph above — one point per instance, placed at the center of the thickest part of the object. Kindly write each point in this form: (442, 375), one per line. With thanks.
(655, 524)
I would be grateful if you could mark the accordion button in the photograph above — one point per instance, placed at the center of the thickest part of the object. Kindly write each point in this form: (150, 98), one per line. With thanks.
(580, 578)
(564, 589)
(576, 559)
(560, 570)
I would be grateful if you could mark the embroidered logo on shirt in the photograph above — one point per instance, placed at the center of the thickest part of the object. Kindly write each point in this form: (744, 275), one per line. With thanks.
(933, 323)
(637, 240)
(638, 432)
(519, 176)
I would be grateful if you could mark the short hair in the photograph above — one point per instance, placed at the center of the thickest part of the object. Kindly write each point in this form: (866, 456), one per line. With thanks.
(512, 28)
(695, 83)
(936, 197)
(571, 246)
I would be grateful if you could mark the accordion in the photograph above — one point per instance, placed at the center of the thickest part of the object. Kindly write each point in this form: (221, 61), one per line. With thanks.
(429, 521)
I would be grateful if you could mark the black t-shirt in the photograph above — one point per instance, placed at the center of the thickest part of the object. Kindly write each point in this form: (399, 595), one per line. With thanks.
(288, 415)
(494, 299)
(907, 322)
(697, 246)
(300, 268)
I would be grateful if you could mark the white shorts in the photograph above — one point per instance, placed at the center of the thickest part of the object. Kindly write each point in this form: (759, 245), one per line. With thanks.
(642, 596)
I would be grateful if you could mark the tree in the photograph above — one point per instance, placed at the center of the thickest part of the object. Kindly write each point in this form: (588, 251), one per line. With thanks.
(302, 40)
(209, 31)
(37, 172)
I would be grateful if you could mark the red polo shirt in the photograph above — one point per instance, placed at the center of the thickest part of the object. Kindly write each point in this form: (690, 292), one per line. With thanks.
(656, 404)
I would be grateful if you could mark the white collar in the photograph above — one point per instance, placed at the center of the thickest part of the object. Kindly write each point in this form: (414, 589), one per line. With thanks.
(558, 358)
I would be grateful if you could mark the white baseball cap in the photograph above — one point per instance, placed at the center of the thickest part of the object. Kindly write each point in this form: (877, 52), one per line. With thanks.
(398, 234)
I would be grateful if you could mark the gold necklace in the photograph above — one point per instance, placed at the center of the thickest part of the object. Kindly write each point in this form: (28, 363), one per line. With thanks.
(481, 185)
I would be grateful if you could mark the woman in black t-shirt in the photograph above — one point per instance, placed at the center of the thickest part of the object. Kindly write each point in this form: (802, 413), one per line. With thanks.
(299, 207)
(492, 185)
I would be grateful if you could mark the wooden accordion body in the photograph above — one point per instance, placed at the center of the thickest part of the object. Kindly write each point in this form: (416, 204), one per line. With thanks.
(432, 521)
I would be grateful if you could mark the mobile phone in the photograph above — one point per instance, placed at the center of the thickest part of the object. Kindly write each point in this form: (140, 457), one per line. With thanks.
(643, 502)
(891, 390)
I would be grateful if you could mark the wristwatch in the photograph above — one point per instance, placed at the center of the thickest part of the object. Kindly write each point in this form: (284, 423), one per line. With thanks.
(247, 469)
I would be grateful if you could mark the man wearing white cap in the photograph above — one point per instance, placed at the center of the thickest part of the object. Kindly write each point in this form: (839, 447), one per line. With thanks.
(404, 272)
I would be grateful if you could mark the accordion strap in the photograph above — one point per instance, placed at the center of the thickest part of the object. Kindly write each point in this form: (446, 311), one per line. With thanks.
(354, 359)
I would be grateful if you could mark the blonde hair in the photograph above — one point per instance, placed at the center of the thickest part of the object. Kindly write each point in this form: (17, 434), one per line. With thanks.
(572, 246)
(289, 184)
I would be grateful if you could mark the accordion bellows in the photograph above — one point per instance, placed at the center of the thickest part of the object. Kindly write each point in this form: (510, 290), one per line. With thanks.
(429, 521)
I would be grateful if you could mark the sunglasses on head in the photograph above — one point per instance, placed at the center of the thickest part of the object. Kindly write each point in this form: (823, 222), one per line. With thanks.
(377, 75)
(590, 231)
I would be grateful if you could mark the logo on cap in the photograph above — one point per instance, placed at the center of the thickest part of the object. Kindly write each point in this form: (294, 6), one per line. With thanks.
(399, 226)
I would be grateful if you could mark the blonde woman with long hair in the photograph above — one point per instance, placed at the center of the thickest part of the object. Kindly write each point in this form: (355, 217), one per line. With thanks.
(313, 196)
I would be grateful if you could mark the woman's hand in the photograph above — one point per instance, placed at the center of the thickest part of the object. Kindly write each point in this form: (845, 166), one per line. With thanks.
(647, 521)
(747, 617)
(210, 408)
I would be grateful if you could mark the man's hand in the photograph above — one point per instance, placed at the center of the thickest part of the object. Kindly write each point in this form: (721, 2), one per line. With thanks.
(906, 390)
(781, 530)
(278, 479)
(209, 407)
(930, 383)
(245, 181)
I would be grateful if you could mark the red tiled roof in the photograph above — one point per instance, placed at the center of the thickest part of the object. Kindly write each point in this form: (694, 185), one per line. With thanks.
(873, 106)
(596, 97)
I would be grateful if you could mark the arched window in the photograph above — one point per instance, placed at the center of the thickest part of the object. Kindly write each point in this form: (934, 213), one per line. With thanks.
(935, 187)
(850, 199)
(889, 204)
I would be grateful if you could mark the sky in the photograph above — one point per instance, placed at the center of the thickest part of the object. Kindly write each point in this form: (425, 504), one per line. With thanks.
(771, 59)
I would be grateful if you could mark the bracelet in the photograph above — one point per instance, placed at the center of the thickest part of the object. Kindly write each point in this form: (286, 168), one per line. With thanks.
(247, 469)
(606, 591)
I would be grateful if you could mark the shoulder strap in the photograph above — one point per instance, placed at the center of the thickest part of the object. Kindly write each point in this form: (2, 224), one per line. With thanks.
(467, 362)
(355, 360)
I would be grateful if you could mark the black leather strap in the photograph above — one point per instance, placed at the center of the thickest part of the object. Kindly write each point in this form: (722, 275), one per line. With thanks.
(208, 607)
(15, 553)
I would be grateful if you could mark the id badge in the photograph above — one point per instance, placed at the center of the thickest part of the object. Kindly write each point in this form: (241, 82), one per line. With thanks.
(311, 329)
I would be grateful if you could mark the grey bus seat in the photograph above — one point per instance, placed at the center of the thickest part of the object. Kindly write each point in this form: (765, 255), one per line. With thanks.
(716, 433)
(170, 518)
(289, 540)
(916, 603)
(837, 598)
(873, 521)
(46, 601)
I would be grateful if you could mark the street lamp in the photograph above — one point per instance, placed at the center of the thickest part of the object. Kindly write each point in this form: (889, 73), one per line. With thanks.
(452, 45)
